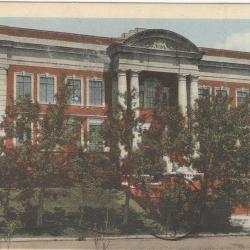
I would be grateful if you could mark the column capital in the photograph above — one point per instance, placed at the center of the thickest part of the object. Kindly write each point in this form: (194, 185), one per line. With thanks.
(121, 72)
(194, 77)
(182, 77)
(134, 73)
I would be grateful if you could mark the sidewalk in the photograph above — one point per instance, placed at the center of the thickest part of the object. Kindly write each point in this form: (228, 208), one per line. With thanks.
(198, 243)
(123, 237)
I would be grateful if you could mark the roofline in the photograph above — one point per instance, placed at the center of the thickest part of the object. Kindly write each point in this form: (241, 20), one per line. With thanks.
(56, 35)
(225, 53)
(101, 40)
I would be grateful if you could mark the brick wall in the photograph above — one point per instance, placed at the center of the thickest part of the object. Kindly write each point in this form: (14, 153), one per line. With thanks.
(232, 86)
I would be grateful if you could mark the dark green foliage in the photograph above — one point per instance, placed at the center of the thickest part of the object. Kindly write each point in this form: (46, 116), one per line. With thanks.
(220, 132)
(178, 207)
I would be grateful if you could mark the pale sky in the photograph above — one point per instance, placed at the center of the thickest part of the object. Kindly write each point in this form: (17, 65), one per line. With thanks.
(224, 34)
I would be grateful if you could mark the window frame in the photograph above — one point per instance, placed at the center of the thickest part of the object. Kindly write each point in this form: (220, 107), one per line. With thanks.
(38, 88)
(157, 83)
(236, 94)
(15, 143)
(205, 87)
(94, 121)
(24, 73)
(222, 88)
(72, 117)
(73, 77)
(146, 87)
(88, 92)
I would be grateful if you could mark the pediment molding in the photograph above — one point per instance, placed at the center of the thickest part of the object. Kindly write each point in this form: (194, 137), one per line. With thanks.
(164, 40)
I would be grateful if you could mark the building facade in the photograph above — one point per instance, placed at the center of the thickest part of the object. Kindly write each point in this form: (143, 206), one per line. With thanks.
(97, 69)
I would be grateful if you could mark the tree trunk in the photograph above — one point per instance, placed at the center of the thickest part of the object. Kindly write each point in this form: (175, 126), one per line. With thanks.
(40, 207)
(204, 193)
(126, 209)
(6, 203)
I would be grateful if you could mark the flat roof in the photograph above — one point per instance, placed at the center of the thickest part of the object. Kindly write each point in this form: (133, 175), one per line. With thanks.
(55, 35)
(72, 37)
(226, 53)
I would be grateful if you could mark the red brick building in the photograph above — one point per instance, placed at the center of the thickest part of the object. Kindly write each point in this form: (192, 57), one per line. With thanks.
(36, 62)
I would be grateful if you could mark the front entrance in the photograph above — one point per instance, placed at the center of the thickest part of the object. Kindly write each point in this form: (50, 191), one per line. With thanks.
(153, 85)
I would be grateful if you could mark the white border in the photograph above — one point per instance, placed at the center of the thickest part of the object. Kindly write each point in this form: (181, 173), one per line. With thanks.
(236, 94)
(93, 121)
(210, 89)
(81, 130)
(103, 92)
(38, 87)
(73, 77)
(222, 88)
(24, 73)
(32, 135)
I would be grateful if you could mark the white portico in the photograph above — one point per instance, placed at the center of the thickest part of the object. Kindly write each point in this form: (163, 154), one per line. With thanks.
(156, 56)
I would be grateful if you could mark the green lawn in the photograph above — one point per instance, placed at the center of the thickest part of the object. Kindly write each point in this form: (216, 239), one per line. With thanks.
(62, 214)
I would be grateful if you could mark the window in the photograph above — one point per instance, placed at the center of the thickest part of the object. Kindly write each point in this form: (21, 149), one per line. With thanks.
(75, 91)
(75, 130)
(141, 96)
(165, 95)
(150, 91)
(150, 96)
(94, 135)
(23, 86)
(203, 92)
(241, 96)
(96, 93)
(223, 92)
(47, 89)
(23, 132)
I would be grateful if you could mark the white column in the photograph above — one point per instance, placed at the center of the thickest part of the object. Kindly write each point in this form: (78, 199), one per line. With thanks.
(182, 93)
(193, 89)
(3, 93)
(122, 88)
(134, 86)
(114, 90)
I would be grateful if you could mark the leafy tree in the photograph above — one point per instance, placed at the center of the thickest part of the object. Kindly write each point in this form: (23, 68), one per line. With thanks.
(16, 124)
(41, 159)
(119, 133)
(177, 210)
(168, 135)
(214, 140)
(217, 129)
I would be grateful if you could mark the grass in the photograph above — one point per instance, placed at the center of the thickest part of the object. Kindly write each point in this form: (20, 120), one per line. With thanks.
(62, 214)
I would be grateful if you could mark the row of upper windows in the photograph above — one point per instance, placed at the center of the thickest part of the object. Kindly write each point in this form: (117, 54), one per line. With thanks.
(241, 94)
(75, 127)
(47, 87)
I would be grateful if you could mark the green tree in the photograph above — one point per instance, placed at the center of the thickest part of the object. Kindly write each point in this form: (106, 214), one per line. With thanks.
(119, 133)
(41, 151)
(220, 132)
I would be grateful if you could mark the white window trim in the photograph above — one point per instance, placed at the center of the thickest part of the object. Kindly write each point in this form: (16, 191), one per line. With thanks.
(222, 88)
(103, 92)
(32, 135)
(146, 85)
(82, 89)
(82, 130)
(38, 87)
(23, 73)
(205, 87)
(236, 94)
(82, 135)
(93, 121)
